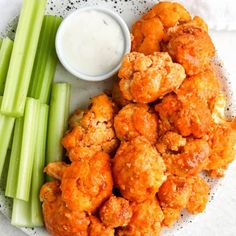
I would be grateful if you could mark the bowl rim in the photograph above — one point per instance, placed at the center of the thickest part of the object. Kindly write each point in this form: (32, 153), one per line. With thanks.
(77, 73)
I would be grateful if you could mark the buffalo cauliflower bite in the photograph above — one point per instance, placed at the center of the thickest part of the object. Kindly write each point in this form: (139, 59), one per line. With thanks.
(56, 169)
(190, 46)
(199, 196)
(175, 192)
(170, 14)
(205, 85)
(170, 141)
(96, 228)
(60, 220)
(146, 219)
(138, 170)
(92, 130)
(184, 114)
(134, 120)
(146, 78)
(190, 161)
(222, 139)
(115, 212)
(147, 35)
(173, 196)
(86, 184)
(178, 193)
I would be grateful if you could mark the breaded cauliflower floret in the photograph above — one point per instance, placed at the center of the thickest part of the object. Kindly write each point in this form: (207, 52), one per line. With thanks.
(222, 139)
(170, 14)
(190, 46)
(173, 196)
(115, 212)
(134, 120)
(178, 193)
(175, 192)
(96, 228)
(189, 162)
(184, 114)
(170, 141)
(86, 184)
(205, 85)
(60, 220)
(92, 130)
(147, 35)
(199, 196)
(138, 170)
(146, 219)
(56, 169)
(146, 78)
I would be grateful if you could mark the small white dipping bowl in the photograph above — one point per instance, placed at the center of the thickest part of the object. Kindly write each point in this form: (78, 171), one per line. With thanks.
(78, 71)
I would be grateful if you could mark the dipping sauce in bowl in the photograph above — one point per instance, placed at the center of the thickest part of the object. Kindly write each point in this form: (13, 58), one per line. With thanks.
(91, 43)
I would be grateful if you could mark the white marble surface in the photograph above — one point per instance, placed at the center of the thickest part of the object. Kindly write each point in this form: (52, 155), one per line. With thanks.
(219, 219)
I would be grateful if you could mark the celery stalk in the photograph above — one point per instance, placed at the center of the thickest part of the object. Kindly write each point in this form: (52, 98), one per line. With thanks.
(3, 180)
(28, 146)
(22, 59)
(45, 61)
(21, 213)
(39, 161)
(13, 170)
(6, 129)
(5, 55)
(57, 124)
(1, 42)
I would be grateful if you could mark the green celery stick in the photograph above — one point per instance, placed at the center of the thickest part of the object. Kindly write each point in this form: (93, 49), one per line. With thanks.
(3, 180)
(22, 59)
(45, 61)
(6, 129)
(39, 161)
(28, 146)
(12, 177)
(5, 55)
(0, 42)
(57, 124)
(21, 213)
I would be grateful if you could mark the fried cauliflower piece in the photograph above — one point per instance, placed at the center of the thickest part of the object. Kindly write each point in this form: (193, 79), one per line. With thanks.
(146, 78)
(134, 120)
(222, 139)
(147, 35)
(56, 169)
(170, 14)
(175, 192)
(96, 228)
(146, 219)
(199, 196)
(205, 85)
(191, 161)
(92, 130)
(173, 196)
(190, 46)
(170, 141)
(86, 184)
(184, 114)
(115, 212)
(178, 193)
(60, 220)
(138, 170)
(171, 215)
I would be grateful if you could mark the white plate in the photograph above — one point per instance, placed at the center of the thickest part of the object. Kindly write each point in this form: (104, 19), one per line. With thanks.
(82, 90)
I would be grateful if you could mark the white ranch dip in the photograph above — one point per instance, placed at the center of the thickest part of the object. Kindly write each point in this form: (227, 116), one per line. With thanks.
(92, 42)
